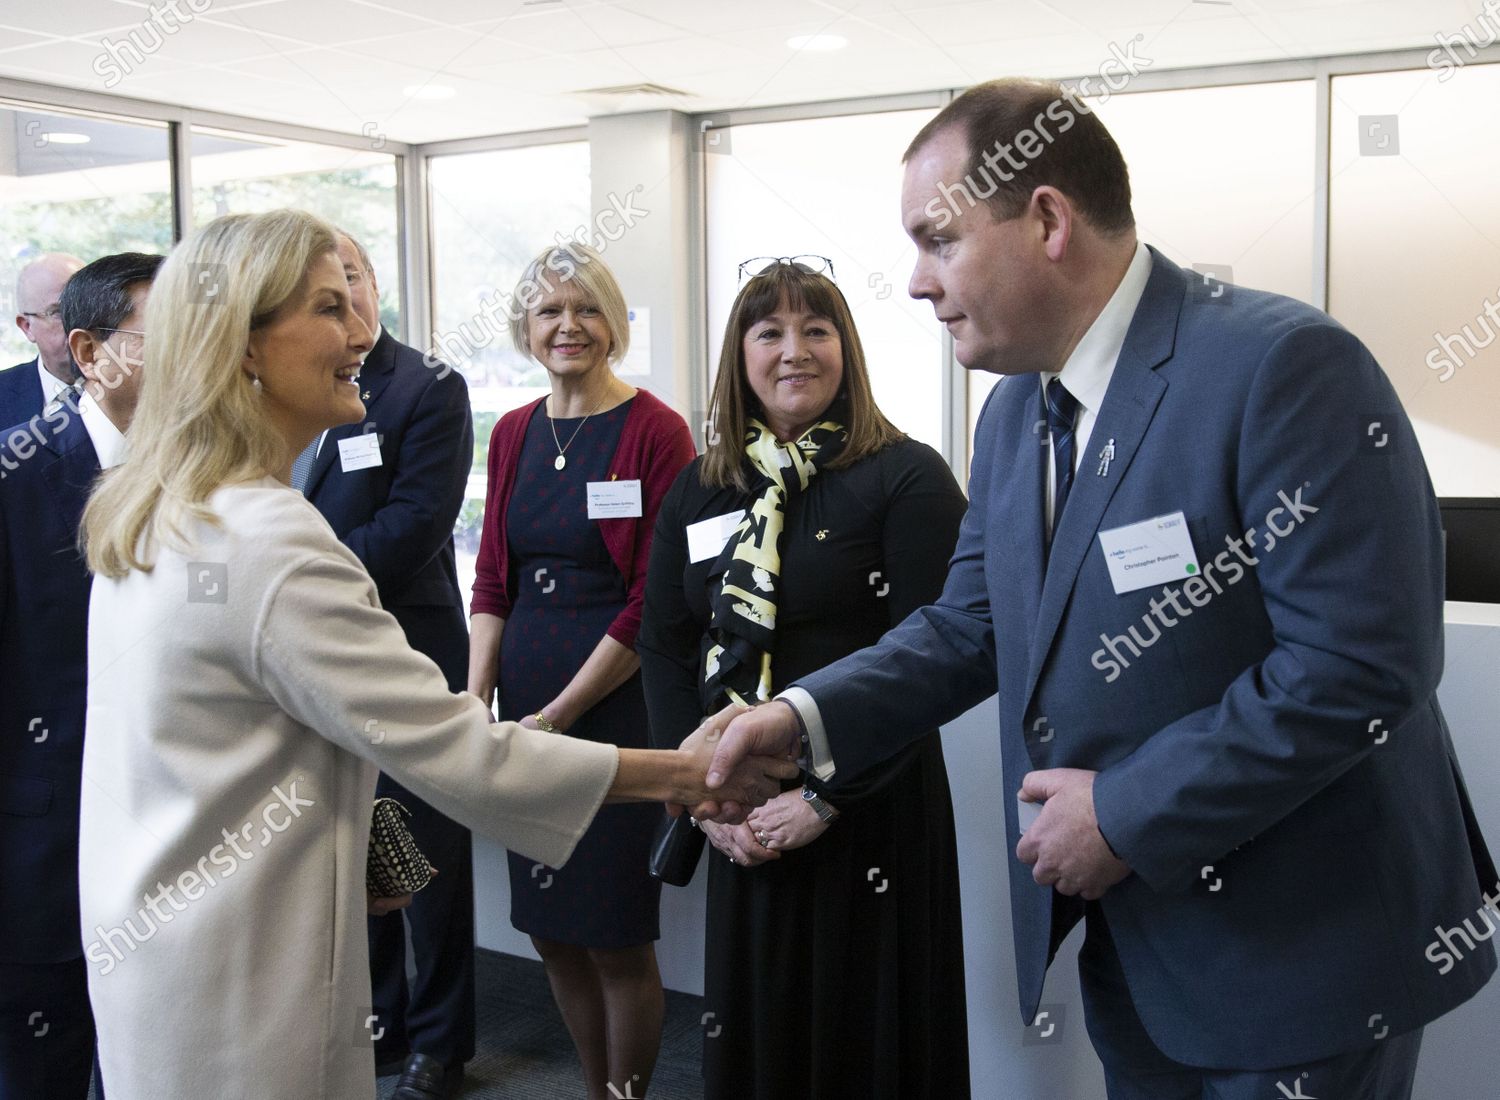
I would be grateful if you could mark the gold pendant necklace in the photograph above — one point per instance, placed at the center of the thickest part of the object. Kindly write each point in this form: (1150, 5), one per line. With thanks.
(561, 460)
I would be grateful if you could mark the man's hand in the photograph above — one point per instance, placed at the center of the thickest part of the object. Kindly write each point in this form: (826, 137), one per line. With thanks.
(787, 821)
(739, 843)
(1064, 846)
(772, 729)
(749, 781)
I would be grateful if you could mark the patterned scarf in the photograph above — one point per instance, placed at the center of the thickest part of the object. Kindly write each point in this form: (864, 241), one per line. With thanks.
(743, 626)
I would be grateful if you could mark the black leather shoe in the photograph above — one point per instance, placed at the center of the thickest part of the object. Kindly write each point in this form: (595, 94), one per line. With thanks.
(428, 1079)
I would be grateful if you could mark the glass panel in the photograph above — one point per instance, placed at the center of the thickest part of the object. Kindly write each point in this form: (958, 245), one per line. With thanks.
(236, 173)
(1414, 246)
(830, 187)
(1221, 177)
(76, 183)
(492, 213)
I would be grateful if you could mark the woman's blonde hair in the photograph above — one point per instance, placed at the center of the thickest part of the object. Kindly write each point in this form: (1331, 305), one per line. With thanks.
(578, 265)
(199, 424)
(734, 403)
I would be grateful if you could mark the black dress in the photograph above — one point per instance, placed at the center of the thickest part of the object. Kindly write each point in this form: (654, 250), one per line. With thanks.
(567, 593)
(837, 970)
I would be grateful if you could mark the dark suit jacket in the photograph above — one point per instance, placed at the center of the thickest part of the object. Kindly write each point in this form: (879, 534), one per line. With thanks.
(44, 599)
(1290, 863)
(20, 394)
(398, 516)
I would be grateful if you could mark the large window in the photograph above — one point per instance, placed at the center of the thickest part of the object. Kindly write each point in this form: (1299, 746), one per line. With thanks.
(76, 183)
(355, 189)
(492, 212)
(830, 187)
(1414, 254)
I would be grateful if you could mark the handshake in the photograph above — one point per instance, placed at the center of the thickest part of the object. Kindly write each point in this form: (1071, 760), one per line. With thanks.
(736, 760)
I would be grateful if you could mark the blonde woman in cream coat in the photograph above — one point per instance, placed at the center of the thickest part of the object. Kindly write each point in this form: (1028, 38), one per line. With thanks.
(245, 688)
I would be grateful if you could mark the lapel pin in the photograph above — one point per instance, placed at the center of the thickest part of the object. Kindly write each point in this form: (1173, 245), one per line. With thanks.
(1106, 456)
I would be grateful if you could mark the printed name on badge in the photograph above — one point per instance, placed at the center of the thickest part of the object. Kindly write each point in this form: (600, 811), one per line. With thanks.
(1153, 552)
(359, 452)
(614, 499)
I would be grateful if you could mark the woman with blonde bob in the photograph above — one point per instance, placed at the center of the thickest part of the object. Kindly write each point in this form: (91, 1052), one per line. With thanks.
(245, 688)
(575, 480)
(833, 956)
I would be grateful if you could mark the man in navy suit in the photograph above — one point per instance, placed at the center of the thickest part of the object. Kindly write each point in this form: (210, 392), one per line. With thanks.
(391, 487)
(47, 467)
(28, 388)
(1202, 568)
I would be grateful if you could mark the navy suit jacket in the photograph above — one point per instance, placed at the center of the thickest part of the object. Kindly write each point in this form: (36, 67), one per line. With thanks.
(1273, 763)
(398, 516)
(20, 393)
(44, 600)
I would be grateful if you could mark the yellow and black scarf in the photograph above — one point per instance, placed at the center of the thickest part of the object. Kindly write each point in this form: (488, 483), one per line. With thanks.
(743, 626)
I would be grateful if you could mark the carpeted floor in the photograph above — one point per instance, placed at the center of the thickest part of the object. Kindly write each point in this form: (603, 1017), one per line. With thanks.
(524, 1052)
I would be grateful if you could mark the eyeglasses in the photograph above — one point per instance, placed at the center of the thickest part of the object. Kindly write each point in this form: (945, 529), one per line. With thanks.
(128, 331)
(810, 265)
(53, 313)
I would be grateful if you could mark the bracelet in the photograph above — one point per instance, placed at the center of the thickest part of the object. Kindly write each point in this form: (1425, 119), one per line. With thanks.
(545, 724)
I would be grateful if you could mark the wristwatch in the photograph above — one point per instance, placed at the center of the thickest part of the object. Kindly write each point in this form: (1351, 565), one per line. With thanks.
(825, 811)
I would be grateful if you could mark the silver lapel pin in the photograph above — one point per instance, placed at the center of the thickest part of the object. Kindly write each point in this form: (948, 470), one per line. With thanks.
(1105, 457)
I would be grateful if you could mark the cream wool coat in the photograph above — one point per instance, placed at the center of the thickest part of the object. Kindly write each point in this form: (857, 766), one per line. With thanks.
(241, 700)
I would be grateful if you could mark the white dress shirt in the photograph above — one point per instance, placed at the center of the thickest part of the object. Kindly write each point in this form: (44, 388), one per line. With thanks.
(1086, 376)
(109, 443)
(51, 387)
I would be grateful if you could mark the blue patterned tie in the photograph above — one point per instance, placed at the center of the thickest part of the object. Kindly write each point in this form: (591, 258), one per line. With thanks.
(302, 465)
(1062, 407)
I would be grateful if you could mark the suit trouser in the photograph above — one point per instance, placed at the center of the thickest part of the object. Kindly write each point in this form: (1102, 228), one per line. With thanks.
(46, 1032)
(434, 1013)
(1135, 1069)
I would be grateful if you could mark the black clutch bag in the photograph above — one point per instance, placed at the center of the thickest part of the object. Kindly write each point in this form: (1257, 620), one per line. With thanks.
(395, 865)
(675, 849)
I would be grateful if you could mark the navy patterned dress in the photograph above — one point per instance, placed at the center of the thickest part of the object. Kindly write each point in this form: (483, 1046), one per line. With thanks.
(567, 592)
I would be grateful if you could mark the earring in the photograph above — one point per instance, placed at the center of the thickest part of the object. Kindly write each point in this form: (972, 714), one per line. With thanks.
(255, 382)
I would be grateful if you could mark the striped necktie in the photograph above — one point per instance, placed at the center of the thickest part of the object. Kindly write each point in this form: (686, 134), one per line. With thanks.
(1062, 408)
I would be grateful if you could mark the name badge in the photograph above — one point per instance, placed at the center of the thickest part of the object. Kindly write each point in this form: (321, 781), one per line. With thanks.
(1153, 552)
(707, 537)
(614, 499)
(359, 452)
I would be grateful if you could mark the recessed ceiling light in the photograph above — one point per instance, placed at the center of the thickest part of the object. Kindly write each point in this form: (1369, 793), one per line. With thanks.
(428, 91)
(817, 42)
(60, 137)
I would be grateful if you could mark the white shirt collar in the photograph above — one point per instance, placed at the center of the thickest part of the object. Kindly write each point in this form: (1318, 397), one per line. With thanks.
(109, 444)
(51, 387)
(1088, 370)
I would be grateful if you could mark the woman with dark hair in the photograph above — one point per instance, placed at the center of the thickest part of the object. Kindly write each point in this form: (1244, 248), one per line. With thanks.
(810, 526)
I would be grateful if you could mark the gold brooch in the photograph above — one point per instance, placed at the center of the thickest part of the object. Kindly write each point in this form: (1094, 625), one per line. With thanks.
(821, 535)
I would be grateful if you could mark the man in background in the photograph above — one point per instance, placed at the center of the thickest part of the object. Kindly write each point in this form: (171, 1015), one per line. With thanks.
(391, 487)
(46, 1026)
(29, 388)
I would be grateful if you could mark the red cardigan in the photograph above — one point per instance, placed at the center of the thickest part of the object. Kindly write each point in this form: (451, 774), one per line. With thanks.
(655, 444)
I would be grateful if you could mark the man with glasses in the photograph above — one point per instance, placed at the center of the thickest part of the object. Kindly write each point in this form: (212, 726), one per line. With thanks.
(46, 1027)
(27, 389)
